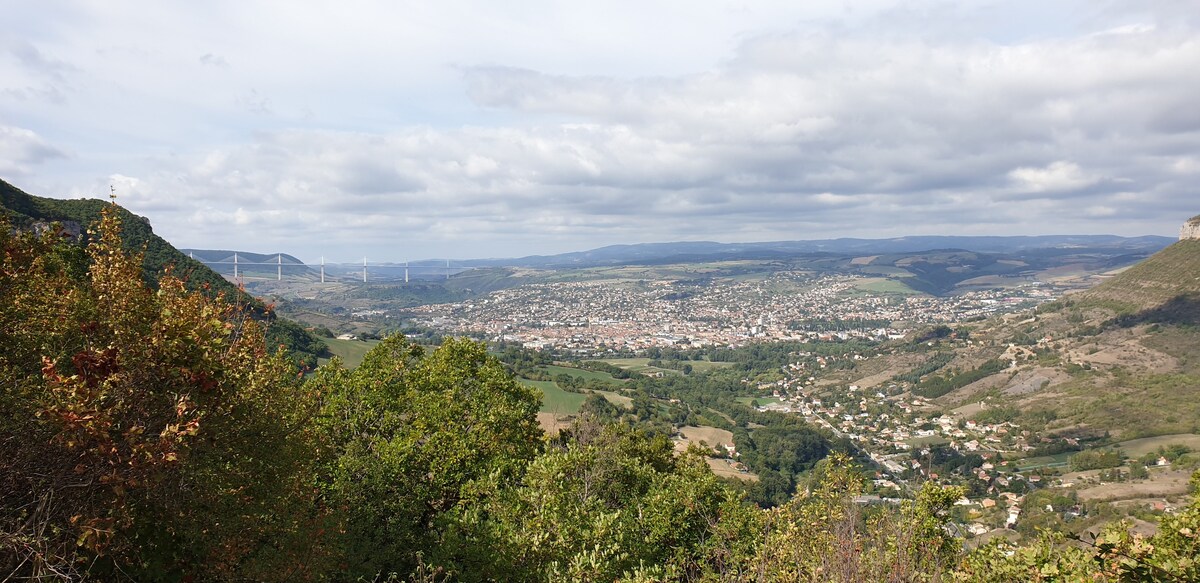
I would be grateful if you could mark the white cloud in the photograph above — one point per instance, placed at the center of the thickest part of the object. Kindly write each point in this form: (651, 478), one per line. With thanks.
(21, 150)
(480, 129)
(1060, 176)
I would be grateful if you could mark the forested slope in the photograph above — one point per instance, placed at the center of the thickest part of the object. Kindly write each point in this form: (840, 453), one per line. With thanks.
(77, 216)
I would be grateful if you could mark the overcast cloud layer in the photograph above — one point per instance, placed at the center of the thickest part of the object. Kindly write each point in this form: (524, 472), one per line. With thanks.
(402, 130)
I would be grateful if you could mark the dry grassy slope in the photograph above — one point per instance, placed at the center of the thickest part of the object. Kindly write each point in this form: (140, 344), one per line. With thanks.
(1140, 371)
(1167, 275)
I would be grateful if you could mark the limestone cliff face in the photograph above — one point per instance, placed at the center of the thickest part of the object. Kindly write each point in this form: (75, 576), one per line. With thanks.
(1191, 229)
(72, 229)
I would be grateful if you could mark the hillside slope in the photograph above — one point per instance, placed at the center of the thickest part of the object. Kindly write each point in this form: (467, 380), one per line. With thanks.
(1118, 361)
(26, 211)
(1167, 284)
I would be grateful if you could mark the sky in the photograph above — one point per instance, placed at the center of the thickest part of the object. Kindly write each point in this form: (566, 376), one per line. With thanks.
(400, 130)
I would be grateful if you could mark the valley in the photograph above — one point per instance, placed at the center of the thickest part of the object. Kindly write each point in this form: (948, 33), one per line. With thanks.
(1000, 384)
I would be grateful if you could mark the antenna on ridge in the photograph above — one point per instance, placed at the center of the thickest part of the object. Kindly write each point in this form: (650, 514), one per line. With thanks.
(112, 194)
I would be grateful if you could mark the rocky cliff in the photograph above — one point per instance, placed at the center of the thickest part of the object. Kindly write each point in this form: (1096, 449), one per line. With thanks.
(1191, 229)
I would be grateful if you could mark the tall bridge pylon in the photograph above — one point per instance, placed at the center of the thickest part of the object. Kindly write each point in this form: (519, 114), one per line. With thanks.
(440, 268)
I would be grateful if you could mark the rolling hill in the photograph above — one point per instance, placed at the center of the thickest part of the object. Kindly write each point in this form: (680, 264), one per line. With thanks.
(692, 251)
(26, 211)
(1164, 287)
(1118, 361)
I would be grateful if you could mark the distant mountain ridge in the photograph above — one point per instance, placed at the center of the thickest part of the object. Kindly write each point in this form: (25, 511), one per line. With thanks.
(215, 255)
(709, 250)
(931, 264)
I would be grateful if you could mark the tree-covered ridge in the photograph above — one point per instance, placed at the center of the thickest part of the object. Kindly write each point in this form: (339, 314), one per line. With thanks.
(26, 211)
(147, 435)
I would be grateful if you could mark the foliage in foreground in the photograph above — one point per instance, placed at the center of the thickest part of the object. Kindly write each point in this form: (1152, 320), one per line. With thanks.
(145, 434)
(142, 431)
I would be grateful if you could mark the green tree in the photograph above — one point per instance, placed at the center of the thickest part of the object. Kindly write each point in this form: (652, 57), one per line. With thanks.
(826, 536)
(413, 436)
(143, 431)
(607, 501)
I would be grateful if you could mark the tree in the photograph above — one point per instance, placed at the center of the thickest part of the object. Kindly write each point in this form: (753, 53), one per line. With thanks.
(606, 501)
(142, 431)
(827, 536)
(413, 436)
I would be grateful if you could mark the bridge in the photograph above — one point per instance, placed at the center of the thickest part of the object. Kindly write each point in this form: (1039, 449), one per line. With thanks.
(441, 268)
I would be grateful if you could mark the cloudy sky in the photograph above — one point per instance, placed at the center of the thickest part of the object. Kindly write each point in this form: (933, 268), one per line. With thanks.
(405, 129)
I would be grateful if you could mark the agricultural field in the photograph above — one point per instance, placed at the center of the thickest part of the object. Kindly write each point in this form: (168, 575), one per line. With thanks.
(1058, 460)
(350, 351)
(762, 401)
(724, 468)
(552, 423)
(885, 286)
(615, 398)
(713, 438)
(1136, 448)
(1161, 484)
(709, 435)
(554, 370)
(639, 365)
(554, 399)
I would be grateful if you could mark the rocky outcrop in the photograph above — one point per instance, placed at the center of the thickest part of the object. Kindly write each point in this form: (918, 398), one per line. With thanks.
(71, 229)
(1191, 229)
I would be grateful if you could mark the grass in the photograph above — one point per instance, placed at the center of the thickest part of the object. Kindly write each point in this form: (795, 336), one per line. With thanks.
(554, 370)
(1136, 448)
(614, 398)
(885, 286)
(749, 401)
(638, 365)
(1165, 275)
(350, 351)
(709, 435)
(554, 399)
(1058, 460)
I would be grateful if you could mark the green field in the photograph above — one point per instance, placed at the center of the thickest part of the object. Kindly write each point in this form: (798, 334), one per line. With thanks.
(350, 351)
(642, 365)
(1058, 460)
(707, 365)
(554, 370)
(1136, 448)
(554, 399)
(749, 401)
(638, 365)
(885, 286)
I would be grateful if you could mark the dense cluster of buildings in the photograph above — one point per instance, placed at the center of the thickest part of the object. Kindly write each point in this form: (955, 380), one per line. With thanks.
(622, 315)
(896, 430)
